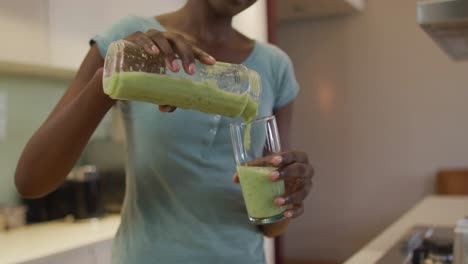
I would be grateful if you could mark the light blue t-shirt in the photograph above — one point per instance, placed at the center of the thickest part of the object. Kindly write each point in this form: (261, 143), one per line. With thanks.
(180, 204)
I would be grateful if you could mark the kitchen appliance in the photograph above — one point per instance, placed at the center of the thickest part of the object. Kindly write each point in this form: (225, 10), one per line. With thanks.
(79, 196)
(112, 189)
(422, 245)
(86, 192)
(446, 21)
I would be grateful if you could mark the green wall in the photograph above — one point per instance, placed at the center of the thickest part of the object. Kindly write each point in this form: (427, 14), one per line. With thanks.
(29, 101)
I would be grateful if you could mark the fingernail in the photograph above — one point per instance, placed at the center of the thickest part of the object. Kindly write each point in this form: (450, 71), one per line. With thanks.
(175, 65)
(280, 201)
(274, 175)
(164, 108)
(289, 214)
(211, 58)
(277, 160)
(155, 49)
(191, 68)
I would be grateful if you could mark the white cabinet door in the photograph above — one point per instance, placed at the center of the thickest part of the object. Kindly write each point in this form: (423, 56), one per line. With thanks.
(24, 27)
(97, 253)
(75, 256)
(102, 252)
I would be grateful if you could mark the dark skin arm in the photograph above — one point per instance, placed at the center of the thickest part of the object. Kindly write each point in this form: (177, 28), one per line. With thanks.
(56, 146)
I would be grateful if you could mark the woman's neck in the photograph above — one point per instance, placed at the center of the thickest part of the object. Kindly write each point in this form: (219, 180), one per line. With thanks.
(197, 18)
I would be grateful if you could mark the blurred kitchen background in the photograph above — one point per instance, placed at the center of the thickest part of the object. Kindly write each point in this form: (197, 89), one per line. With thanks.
(382, 114)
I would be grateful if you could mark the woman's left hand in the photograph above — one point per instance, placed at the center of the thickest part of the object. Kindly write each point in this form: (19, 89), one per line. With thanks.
(295, 170)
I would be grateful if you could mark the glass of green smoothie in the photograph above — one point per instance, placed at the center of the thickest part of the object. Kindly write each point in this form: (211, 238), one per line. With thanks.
(252, 143)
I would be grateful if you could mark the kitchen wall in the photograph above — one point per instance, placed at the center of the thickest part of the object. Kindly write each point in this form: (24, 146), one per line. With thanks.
(29, 101)
(382, 108)
(24, 27)
(70, 33)
(57, 32)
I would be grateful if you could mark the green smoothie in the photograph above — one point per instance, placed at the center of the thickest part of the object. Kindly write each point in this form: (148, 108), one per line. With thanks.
(259, 192)
(167, 90)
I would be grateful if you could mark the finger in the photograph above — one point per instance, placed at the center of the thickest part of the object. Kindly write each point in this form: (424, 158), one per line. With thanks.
(295, 212)
(298, 170)
(294, 198)
(145, 42)
(235, 178)
(167, 108)
(166, 48)
(290, 157)
(265, 161)
(184, 50)
(202, 56)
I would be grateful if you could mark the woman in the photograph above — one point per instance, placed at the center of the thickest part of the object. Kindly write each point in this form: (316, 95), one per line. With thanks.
(180, 204)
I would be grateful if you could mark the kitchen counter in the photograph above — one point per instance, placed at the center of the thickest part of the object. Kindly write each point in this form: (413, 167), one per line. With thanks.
(37, 241)
(433, 210)
(86, 241)
(36, 70)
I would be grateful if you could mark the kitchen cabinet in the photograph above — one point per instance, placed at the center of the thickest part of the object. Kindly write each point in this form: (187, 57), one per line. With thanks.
(102, 252)
(75, 256)
(54, 33)
(58, 242)
(54, 242)
(24, 27)
(98, 253)
(306, 9)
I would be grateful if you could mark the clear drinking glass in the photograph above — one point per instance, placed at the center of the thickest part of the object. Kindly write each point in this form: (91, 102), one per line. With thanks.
(252, 143)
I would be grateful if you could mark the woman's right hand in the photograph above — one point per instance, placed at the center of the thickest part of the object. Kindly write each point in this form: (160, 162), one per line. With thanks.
(172, 45)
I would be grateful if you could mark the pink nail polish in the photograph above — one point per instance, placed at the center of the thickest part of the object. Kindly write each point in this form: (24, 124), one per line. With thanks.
(155, 49)
(191, 68)
(289, 214)
(280, 201)
(277, 160)
(274, 175)
(175, 65)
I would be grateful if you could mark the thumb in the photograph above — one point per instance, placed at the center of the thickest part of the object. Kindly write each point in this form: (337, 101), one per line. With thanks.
(235, 178)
